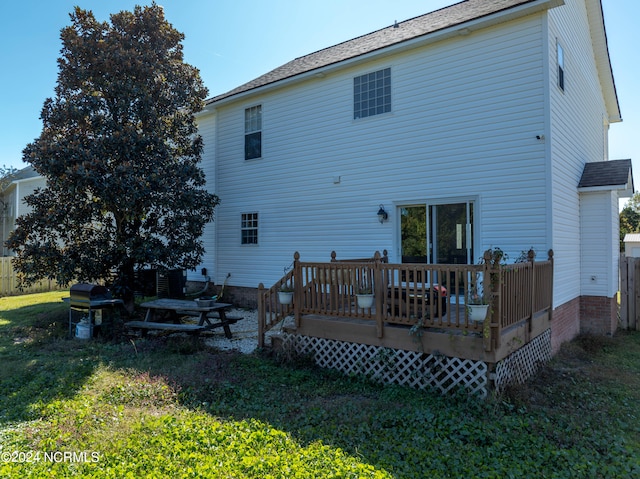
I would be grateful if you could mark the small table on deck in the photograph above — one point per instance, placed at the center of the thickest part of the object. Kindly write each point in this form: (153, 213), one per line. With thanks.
(175, 307)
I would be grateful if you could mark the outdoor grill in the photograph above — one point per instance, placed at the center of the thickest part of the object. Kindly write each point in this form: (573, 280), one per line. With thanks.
(82, 295)
(86, 302)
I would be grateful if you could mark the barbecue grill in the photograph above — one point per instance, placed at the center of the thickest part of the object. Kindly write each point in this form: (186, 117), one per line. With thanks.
(82, 294)
(86, 305)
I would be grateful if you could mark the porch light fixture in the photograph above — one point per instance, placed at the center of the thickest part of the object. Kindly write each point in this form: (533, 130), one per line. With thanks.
(382, 215)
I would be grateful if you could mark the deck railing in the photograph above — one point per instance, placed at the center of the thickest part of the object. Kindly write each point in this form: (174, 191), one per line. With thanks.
(427, 295)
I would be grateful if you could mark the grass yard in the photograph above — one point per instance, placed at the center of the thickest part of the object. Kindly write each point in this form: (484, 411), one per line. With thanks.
(172, 407)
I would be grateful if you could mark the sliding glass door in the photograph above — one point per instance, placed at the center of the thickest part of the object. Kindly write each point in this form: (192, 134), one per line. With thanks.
(439, 233)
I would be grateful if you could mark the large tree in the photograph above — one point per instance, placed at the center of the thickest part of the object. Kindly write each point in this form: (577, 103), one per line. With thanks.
(120, 152)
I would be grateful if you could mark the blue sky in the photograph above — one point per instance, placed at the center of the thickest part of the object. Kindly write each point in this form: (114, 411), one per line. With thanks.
(234, 41)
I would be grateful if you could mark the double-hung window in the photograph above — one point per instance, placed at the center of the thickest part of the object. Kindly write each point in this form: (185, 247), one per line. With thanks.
(372, 94)
(560, 54)
(253, 132)
(249, 228)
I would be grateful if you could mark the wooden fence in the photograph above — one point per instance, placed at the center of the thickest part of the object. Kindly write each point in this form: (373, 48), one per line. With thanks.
(9, 281)
(629, 292)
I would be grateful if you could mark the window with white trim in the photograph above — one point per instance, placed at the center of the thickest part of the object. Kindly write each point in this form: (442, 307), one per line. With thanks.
(372, 94)
(253, 132)
(560, 54)
(249, 228)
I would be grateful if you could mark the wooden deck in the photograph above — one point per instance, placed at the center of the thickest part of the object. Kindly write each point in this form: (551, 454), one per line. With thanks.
(418, 307)
(467, 345)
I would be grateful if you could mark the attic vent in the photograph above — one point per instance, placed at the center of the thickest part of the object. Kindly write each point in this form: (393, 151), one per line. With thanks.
(395, 24)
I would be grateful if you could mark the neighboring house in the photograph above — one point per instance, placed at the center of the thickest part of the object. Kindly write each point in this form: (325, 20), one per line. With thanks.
(632, 245)
(23, 183)
(474, 126)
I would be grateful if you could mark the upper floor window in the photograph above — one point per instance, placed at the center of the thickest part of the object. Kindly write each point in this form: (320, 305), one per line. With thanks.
(560, 54)
(372, 94)
(249, 228)
(253, 132)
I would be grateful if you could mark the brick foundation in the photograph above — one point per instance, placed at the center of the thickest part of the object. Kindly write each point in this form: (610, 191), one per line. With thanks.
(236, 295)
(598, 315)
(565, 324)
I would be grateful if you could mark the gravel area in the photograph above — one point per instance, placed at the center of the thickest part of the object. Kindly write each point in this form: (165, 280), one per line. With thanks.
(245, 333)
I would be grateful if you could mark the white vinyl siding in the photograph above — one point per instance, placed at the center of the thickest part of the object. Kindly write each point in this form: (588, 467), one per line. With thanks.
(576, 137)
(207, 129)
(15, 204)
(463, 124)
(599, 253)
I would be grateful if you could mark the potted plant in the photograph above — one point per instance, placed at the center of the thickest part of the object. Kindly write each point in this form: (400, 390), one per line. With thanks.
(285, 293)
(364, 294)
(477, 305)
(206, 301)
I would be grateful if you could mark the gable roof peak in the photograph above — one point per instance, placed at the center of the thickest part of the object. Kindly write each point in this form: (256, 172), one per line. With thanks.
(453, 16)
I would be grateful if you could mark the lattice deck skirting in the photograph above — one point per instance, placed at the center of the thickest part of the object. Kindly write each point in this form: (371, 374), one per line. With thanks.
(420, 370)
(523, 363)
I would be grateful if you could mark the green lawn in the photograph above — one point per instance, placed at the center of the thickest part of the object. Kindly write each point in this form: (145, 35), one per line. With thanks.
(174, 408)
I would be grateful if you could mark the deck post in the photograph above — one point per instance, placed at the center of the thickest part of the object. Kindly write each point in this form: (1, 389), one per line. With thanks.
(531, 255)
(550, 257)
(378, 292)
(492, 278)
(261, 316)
(496, 320)
(297, 288)
(488, 323)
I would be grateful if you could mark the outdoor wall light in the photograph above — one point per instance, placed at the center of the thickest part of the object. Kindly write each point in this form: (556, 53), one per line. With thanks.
(382, 215)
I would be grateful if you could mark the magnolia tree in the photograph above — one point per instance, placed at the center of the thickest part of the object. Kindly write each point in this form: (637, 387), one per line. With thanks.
(120, 153)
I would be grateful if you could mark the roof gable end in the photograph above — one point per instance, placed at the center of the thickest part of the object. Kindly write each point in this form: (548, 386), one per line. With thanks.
(603, 62)
(456, 15)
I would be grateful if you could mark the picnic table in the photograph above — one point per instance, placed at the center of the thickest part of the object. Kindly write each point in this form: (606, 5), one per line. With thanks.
(174, 309)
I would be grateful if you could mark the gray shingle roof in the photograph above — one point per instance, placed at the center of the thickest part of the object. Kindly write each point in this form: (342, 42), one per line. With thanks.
(24, 173)
(606, 173)
(453, 15)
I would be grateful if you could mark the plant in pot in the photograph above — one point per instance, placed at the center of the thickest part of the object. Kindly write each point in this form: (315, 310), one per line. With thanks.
(477, 306)
(206, 301)
(364, 294)
(285, 293)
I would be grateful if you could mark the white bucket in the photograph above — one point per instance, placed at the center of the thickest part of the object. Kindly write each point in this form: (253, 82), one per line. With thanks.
(83, 330)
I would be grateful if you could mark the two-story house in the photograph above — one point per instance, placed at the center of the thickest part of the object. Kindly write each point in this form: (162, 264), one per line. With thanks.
(483, 124)
(20, 184)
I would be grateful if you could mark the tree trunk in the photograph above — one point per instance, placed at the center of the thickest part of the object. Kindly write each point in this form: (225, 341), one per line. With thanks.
(126, 285)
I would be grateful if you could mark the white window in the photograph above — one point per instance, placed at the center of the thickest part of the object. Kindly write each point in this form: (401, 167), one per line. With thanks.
(372, 94)
(560, 53)
(249, 228)
(253, 132)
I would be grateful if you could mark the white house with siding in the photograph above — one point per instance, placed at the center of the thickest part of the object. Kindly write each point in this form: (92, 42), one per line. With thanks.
(471, 126)
(21, 184)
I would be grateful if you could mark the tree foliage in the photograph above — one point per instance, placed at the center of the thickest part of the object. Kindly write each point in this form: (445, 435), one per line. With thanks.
(630, 218)
(120, 152)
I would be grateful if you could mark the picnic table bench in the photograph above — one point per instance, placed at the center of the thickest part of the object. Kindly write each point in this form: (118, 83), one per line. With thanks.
(173, 309)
